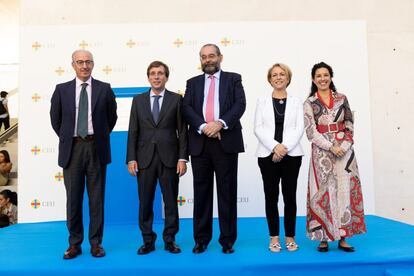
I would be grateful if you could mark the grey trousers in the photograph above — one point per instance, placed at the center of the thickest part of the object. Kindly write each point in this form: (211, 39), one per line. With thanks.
(84, 168)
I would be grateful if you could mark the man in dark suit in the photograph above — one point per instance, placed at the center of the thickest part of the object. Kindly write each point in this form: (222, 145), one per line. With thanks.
(213, 105)
(83, 114)
(157, 149)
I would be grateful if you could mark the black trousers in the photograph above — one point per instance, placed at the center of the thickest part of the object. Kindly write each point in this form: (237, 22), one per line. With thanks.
(5, 122)
(286, 170)
(84, 166)
(213, 160)
(147, 182)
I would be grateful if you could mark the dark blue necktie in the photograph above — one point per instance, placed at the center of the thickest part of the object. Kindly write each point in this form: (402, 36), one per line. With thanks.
(156, 108)
(83, 112)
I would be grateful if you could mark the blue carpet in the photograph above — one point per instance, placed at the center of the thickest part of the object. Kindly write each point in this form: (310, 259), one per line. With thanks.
(387, 249)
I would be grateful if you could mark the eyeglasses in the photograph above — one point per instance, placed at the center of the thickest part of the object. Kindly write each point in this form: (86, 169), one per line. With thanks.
(84, 62)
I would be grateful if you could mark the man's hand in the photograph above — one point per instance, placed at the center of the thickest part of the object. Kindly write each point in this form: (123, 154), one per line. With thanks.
(181, 168)
(133, 168)
(211, 129)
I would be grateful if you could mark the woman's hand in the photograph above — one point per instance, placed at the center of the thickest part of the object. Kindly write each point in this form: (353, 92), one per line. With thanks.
(337, 151)
(279, 152)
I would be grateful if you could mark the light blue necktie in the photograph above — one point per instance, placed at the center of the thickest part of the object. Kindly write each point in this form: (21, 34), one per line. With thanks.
(83, 112)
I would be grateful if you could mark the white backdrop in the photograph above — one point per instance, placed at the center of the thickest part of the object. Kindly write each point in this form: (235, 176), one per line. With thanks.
(122, 54)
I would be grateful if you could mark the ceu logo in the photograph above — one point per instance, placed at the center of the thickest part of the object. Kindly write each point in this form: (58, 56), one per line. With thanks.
(59, 71)
(180, 200)
(36, 97)
(243, 200)
(36, 46)
(35, 150)
(178, 43)
(227, 42)
(132, 43)
(181, 92)
(35, 204)
(84, 44)
(108, 70)
(59, 177)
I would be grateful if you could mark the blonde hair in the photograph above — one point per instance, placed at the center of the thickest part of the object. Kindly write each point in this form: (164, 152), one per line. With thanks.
(282, 66)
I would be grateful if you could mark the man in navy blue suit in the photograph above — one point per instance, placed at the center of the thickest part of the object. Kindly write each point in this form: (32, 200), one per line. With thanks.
(83, 114)
(213, 105)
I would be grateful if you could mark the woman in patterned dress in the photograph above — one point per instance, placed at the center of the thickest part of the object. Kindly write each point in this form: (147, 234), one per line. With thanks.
(334, 201)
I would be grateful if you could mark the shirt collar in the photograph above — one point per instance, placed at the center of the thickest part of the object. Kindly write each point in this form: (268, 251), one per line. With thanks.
(161, 94)
(216, 75)
(79, 82)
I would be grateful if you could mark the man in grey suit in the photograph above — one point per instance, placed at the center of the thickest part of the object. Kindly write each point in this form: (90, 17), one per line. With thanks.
(83, 114)
(157, 149)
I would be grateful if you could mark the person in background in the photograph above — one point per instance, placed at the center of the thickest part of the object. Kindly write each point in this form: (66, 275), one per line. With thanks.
(8, 208)
(335, 208)
(279, 128)
(5, 167)
(4, 111)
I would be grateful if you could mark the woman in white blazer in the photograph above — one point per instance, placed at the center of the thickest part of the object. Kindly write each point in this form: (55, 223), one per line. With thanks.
(279, 129)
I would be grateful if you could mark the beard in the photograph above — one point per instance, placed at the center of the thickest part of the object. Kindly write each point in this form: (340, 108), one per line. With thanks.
(210, 68)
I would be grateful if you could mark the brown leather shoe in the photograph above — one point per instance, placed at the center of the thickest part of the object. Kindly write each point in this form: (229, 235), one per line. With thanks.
(72, 252)
(97, 251)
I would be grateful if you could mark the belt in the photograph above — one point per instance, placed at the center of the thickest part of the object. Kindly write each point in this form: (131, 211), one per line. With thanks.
(331, 128)
(80, 139)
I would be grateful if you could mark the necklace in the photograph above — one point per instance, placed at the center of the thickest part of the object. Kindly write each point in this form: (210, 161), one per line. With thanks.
(281, 101)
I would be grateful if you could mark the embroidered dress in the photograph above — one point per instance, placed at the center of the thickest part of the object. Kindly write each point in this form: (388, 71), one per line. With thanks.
(334, 200)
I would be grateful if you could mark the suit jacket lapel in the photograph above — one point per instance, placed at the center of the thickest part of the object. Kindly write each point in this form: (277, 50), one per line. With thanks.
(222, 90)
(165, 105)
(71, 98)
(270, 113)
(146, 105)
(95, 93)
(200, 94)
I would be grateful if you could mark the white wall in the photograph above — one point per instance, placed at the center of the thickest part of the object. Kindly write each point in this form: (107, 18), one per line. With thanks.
(9, 54)
(390, 31)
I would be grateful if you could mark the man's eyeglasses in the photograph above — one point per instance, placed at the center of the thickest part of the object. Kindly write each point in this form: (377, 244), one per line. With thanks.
(84, 62)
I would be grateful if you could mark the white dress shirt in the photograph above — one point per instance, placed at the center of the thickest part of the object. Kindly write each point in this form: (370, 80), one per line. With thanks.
(77, 96)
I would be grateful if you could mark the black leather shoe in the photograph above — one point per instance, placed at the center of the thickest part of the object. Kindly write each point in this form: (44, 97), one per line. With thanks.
(172, 247)
(146, 249)
(97, 251)
(228, 250)
(72, 252)
(199, 248)
(346, 248)
(323, 248)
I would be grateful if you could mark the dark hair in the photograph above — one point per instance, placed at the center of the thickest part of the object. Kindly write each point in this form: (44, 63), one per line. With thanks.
(317, 66)
(4, 221)
(3, 94)
(12, 196)
(6, 155)
(218, 52)
(156, 64)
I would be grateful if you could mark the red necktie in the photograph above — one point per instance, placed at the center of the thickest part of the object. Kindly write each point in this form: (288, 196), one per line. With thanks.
(210, 100)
